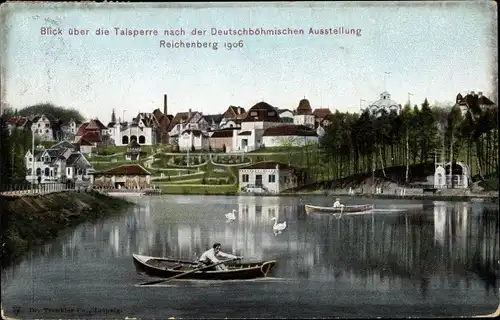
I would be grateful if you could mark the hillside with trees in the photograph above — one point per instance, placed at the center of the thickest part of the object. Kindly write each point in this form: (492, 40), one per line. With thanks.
(63, 114)
(400, 147)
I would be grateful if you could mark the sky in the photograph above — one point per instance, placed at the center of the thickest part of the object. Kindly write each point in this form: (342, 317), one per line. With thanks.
(433, 50)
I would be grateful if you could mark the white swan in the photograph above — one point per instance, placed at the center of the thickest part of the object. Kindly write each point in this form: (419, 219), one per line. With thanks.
(231, 215)
(278, 226)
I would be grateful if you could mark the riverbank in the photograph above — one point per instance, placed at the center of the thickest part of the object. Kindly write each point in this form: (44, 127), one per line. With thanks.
(29, 221)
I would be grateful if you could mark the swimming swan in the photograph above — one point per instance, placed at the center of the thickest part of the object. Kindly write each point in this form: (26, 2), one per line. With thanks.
(231, 215)
(278, 226)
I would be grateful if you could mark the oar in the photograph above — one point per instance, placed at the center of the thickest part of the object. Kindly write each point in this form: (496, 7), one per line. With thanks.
(185, 273)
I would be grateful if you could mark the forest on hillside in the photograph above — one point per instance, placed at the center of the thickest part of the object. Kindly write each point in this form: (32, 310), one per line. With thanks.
(357, 143)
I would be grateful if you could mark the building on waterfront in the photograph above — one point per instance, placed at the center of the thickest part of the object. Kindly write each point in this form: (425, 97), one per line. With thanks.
(456, 176)
(267, 176)
(128, 176)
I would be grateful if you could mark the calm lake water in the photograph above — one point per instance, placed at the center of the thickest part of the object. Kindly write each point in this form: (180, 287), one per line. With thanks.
(432, 259)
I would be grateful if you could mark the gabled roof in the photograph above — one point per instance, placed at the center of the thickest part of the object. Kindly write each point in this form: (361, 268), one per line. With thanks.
(234, 112)
(222, 134)
(262, 112)
(196, 133)
(194, 114)
(126, 170)
(17, 121)
(213, 118)
(321, 112)
(91, 136)
(72, 159)
(269, 165)
(95, 124)
(82, 129)
(290, 130)
(179, 117)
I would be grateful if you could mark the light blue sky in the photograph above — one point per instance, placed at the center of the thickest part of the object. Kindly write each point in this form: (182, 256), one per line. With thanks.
(431, 50)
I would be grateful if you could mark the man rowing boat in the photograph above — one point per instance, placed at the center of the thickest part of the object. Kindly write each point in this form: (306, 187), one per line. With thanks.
(210, 257)
(337, 203)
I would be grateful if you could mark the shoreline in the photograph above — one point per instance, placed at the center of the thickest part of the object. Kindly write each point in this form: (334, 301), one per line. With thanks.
(327, 193)
(29, 221)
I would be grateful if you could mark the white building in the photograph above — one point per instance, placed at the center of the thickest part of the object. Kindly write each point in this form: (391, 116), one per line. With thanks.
(258, 118)
(385, 103)
(59, 162)
(303, 115)
(122, 134)
(269, 176)
(42, 126)
(465, 102)
(190, 138)
(286, 115)
(232, 117)
(289, 135)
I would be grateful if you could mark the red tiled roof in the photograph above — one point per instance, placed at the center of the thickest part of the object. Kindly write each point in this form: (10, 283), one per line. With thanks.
(321, 112)
(92, 136)
(290, 130)
(82, 129)
(126, 170)
(95, 124)
(17, 121)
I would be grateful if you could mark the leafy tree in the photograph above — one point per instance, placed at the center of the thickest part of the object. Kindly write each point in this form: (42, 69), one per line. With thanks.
(62, 114)
(5, 154)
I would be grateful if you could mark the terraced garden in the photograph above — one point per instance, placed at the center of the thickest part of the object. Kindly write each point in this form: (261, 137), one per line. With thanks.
(196, 173)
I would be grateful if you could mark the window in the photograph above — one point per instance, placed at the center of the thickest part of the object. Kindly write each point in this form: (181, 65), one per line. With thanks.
(46, 125)
(272, 178)
(285, 179)
(47, 131)
(245, 178)
(30, 159)
(271, 113)
(253, 114)
(79, 171)
(47, 172)
(38, 171)
(68, 170)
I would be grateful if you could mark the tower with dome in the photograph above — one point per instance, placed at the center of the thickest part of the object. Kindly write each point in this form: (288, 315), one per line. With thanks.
(304, 115)
(385, 103)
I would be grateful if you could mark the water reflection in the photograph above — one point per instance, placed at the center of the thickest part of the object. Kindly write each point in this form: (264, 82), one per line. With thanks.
(444, 244)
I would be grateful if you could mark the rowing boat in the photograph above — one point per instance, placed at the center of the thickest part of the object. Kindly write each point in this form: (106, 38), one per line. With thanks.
(169, 267)
(345, 210)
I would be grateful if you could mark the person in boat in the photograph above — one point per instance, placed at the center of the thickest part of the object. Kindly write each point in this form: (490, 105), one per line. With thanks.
(337, 203)
(211, 256)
